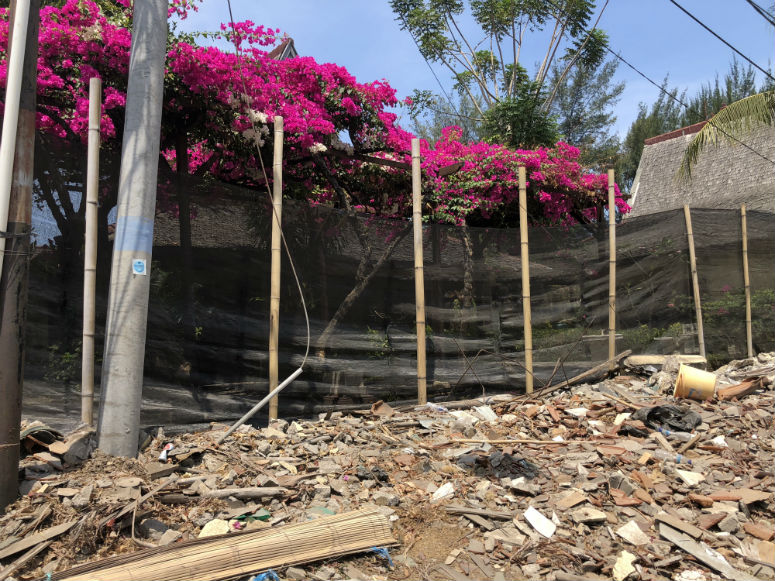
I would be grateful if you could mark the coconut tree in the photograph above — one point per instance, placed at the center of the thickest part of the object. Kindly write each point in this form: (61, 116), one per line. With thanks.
(731, 124)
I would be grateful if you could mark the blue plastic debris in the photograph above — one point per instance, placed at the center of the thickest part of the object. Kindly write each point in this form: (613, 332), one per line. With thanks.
(383, 552)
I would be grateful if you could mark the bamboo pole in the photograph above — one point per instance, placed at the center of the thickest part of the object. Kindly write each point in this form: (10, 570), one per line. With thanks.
(274, 291)
(525, 259)
(747, 282)
(611, 269)
(695, 281)
(419, 281)
(90, 253)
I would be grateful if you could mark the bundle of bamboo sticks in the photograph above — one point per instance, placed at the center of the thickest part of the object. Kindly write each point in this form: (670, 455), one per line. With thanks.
(240, 554)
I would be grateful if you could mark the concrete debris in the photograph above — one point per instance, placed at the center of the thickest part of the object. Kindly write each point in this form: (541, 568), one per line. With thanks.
(566, 487)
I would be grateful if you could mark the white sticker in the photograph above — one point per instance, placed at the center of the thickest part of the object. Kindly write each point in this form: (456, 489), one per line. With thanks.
(138, 266)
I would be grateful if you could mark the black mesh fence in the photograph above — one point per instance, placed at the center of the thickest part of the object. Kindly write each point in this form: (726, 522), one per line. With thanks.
(207, 340)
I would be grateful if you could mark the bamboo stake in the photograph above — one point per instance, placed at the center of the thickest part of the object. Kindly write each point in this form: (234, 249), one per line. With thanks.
(525, 259)
(419, 282)
(611, 269)
(274, 290)
(747, 282)
(90, 253)
(695, 280)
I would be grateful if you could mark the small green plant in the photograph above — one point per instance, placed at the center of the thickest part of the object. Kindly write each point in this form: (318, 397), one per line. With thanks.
(63, 366)
(381, 347)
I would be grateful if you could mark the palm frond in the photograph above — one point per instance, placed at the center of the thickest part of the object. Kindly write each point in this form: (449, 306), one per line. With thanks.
(730, 124)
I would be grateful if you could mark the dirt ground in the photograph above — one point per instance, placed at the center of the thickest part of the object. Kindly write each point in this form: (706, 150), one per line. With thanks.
(569, 484)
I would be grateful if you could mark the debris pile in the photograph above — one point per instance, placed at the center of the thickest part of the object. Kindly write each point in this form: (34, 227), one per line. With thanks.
(616, 479)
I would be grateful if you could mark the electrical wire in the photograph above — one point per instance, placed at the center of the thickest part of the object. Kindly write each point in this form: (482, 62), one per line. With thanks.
(677, 100)
(762, 12)
(673, 97)
(269, 193)
(698, 21)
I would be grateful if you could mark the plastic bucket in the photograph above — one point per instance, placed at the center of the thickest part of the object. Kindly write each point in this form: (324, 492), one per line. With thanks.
(694, 383)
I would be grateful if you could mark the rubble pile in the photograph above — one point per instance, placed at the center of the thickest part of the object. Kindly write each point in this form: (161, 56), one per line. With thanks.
(617, 479)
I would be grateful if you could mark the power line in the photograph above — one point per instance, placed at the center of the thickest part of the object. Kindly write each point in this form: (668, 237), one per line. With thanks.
(762, 12)
(677, 100)
(672, 95)
(698, 21)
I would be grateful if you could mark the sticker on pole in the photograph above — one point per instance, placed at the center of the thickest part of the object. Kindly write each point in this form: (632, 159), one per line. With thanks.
(138, 266)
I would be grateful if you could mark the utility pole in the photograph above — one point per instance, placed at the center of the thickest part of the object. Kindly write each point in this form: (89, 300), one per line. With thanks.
(122, 368)
(15, 269)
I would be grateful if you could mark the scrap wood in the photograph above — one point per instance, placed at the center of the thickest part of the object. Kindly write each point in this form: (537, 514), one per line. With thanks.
(242, 554)
(21, 561)
(645, 360)
(745, 387)
(43, 514)
(507, 441)
(703, 553)
(457, 509)
(132, 506)
(247, 493)
(690, 444)
(621, 401)
(39, 537)
(597, 370)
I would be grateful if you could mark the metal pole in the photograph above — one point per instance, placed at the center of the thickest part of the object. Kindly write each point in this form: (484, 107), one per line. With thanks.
(419, 279)
(695, 281)
(611, 269)
(525, 259)
(122, 369)
(747, 282)
(90, 253)
(15, 270)
(274, 287)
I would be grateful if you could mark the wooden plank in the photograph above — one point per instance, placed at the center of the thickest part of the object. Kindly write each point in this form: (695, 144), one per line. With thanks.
(603, 368)
(21, 561)
(679, 524)
(643, 360)
(703, 553)
(457, 509)
(248, 493)
(133, 505)
(33, 540)
(481, 521)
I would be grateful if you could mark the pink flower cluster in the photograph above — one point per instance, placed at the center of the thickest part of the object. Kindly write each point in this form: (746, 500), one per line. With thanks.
(559, 190)
(225, 102)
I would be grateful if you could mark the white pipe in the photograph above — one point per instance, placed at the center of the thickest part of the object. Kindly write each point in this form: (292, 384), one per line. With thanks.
(11, 114)
(260, 404)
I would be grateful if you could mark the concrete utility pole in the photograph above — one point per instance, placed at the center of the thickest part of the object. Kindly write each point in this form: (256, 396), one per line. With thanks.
(122, 368)
(15, 269)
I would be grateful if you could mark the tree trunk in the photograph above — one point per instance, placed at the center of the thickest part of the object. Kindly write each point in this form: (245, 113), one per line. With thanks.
(353, 295)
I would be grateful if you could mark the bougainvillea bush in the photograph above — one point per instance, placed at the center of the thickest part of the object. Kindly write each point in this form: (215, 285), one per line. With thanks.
(223, 103)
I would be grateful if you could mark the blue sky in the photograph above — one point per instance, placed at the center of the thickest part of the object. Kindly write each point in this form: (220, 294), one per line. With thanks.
(653, 35)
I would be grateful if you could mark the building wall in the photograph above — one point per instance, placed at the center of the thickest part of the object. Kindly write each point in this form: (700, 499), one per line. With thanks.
(724, 177)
